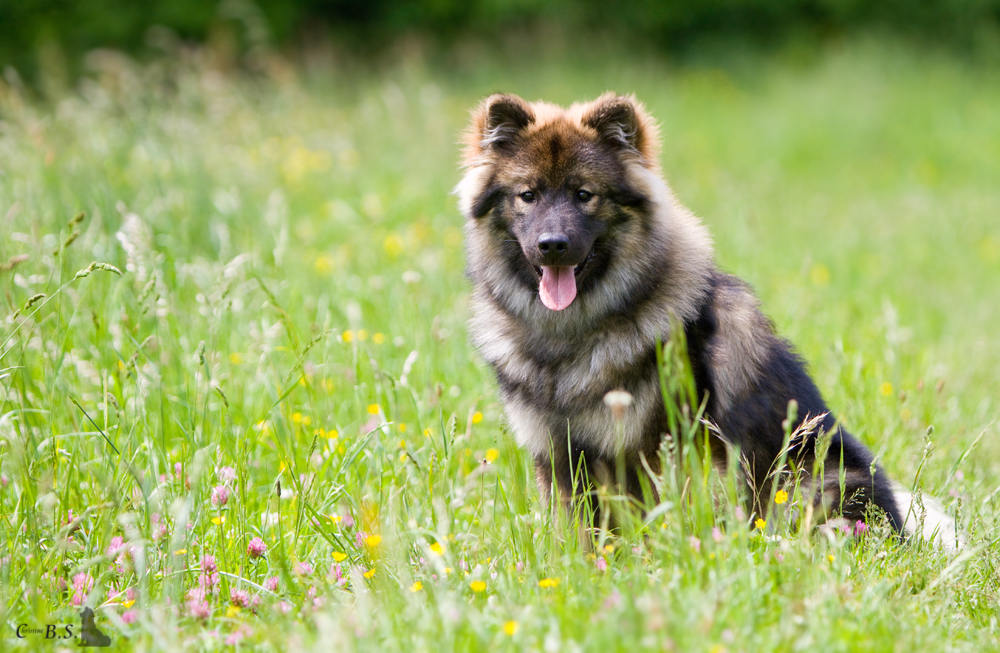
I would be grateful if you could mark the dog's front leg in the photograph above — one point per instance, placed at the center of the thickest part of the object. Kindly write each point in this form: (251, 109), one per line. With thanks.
(567, 493)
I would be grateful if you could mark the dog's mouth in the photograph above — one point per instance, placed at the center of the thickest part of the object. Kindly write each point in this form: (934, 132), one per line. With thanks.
(557, 283)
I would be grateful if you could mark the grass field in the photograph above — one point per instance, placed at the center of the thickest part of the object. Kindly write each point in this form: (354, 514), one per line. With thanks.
(281, 354)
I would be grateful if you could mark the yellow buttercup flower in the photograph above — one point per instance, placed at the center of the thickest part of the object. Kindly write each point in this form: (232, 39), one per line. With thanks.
(373, 540)
(492, 455)
(548, 582)
(510, 628)
(393, 245)
(417, 586)
(437, 549)
(324, 264)
(819, 274)
(373, 409)
(339, 557)
(477, 417)
(369, 573)
(760, 524)
(780, 497)
(477, 586)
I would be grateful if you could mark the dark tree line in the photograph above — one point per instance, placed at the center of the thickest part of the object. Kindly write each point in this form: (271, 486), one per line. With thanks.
(80, 25)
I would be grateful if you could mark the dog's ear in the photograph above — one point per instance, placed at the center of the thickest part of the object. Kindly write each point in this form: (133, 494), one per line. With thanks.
(496, 124)
(622, 122)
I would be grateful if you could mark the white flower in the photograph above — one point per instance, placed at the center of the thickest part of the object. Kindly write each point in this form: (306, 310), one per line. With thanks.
(618, 401)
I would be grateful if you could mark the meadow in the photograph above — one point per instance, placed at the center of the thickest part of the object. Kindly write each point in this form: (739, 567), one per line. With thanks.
(257, 423)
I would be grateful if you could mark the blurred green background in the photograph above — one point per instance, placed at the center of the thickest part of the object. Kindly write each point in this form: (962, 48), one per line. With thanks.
(30, 27)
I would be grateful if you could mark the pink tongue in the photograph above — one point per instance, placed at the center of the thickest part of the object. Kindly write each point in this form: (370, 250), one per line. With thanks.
(558, 287)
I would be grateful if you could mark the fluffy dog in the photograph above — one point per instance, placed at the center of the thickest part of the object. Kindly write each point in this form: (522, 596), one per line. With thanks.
(582, 260)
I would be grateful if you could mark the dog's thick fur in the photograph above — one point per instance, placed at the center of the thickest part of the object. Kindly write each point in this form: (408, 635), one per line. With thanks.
(586, 179)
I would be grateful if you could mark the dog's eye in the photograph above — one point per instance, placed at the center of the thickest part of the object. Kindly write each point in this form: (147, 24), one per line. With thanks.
(527, 196)
(584, 195)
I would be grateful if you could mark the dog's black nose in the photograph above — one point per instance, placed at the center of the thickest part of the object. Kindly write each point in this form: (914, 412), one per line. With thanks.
(553, 245)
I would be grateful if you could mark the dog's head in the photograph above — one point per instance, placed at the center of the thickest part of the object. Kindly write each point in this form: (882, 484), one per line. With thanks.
(550, 190)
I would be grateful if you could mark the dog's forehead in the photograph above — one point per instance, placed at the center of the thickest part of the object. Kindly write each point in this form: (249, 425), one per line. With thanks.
(558, 151)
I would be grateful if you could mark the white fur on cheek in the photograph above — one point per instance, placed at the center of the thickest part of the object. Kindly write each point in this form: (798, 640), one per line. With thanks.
(471, 186)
